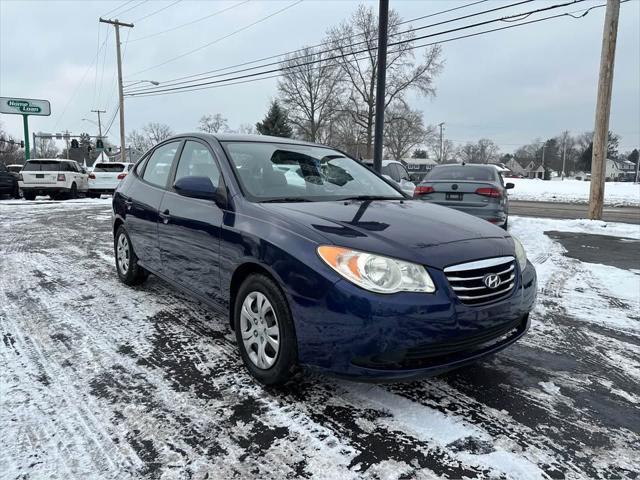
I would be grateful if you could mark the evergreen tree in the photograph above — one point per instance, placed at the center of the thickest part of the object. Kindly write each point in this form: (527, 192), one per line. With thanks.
(275, 123)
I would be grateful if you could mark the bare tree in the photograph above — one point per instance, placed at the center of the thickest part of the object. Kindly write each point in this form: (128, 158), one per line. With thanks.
(433, 146)
(360, 68)
(404, 130)
(485, 151)
(247, 129)
(213, 123)
(46, 147)
(347, 135)
(310, 92)
(157, 132)
(138, 141)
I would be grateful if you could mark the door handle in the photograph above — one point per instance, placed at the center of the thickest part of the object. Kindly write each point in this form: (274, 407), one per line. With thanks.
(165, 216)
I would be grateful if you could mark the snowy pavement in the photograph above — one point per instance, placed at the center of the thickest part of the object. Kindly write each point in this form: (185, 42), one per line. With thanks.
(102, 381)
(572, 191)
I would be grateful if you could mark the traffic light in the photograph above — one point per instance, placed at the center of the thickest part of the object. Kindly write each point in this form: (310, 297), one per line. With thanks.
(74, 143)
(99, 144)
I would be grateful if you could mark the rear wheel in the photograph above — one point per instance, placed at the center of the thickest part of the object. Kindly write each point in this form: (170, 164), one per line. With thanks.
(73, 193)
(264, 331)
(16, 192)
(129, 272)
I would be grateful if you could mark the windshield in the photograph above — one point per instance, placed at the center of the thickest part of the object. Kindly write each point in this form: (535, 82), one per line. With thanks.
(281, 172)
(462, 172)
(41, 166)
(108, 167)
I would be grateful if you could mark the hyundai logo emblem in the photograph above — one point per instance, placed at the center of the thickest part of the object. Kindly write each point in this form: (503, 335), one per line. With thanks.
(492, 281)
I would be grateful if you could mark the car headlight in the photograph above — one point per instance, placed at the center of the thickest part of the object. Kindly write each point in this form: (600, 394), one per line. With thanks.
(521, 255)
(377, 273)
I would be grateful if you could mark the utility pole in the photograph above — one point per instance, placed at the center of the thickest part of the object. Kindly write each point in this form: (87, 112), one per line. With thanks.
(603, 109)
(564, 151)
(99, 122)
(383, 22)
(117, 26)
(441, 124)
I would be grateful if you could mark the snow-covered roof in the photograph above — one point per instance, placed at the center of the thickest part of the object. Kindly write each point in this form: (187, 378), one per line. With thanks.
(419, 161)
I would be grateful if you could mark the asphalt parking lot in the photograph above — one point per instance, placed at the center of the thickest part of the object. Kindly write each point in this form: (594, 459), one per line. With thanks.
(99, 380)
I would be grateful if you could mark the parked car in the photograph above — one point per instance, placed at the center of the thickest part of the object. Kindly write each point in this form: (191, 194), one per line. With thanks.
(105, 177)
(8, 182)
(478, 190)
(15, 168)
(397, 173)
(54, 177)
(343, 274)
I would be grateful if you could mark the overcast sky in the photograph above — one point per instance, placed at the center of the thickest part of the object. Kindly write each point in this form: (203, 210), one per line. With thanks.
(511, 86)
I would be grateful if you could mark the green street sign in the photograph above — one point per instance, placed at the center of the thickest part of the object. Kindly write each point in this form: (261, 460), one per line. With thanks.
(24, 106)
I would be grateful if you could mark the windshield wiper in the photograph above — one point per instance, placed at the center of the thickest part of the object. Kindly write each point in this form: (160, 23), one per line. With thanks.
(286, 200)
(372, 197)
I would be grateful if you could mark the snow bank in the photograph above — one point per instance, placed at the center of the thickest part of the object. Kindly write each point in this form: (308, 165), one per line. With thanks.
(572, 191)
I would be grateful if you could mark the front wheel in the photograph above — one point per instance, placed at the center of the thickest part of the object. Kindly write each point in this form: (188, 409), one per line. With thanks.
(129, 272)
(264, 331)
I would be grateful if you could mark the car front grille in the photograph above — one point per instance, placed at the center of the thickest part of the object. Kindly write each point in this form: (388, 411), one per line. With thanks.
(468, 280)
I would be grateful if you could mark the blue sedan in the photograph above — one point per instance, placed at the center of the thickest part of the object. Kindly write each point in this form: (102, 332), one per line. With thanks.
(319, 262)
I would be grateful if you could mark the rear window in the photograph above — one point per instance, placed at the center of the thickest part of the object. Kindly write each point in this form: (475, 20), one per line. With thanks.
(462, 172)
(108, 167)
(41, 166)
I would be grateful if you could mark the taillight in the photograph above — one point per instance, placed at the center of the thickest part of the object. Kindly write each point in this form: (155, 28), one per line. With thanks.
(489, 192)
(121, 176)
(92, 176)
(422, 190)
(61, 177)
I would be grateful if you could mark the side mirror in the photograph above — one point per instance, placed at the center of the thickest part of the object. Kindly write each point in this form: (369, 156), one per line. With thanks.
(196, 187)
(509, 186)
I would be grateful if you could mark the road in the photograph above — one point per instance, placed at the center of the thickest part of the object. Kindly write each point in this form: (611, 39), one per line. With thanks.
(103, 381)
(572, 211)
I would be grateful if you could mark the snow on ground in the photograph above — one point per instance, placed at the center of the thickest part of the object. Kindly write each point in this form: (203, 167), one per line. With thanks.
(572, 191)
(100, 381)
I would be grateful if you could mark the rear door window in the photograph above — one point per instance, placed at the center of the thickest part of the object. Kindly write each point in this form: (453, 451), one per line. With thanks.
(156, 172)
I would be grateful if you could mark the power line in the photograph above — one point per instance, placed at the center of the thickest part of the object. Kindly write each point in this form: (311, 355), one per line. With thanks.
(391, 44)
(75, 92)
(131, 8)
(117, 8)
(348, 37)
(220, 38)
(155, 12)
(218, 84)
(189, 23)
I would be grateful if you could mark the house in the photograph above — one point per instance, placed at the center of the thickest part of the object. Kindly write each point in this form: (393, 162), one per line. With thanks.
(418, 167)
(534, 170)
(515, 167)
(619, 169)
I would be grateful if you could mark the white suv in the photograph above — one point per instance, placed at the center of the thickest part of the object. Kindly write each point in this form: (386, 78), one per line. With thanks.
(54, 177)
(106, 176)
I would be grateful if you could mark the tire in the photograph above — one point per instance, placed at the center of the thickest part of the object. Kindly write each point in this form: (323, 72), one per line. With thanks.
(16, 192)
(129, 272)
(73, 193)
(274, 367)
(29, 195)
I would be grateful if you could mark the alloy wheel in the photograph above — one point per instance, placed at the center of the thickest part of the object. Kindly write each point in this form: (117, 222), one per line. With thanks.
(260, 330)
(122, 252)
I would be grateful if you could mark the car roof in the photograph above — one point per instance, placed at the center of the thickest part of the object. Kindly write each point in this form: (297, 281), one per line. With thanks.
(481, 165)
(236, 137)
(49, 160)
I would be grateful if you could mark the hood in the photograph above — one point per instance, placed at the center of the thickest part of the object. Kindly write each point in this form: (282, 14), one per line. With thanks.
(411, 230)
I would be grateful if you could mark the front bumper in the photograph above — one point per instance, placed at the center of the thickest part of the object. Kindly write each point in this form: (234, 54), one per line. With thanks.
(371, 337)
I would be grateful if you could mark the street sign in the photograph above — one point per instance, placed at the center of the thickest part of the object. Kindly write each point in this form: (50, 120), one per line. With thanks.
(24, 106)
